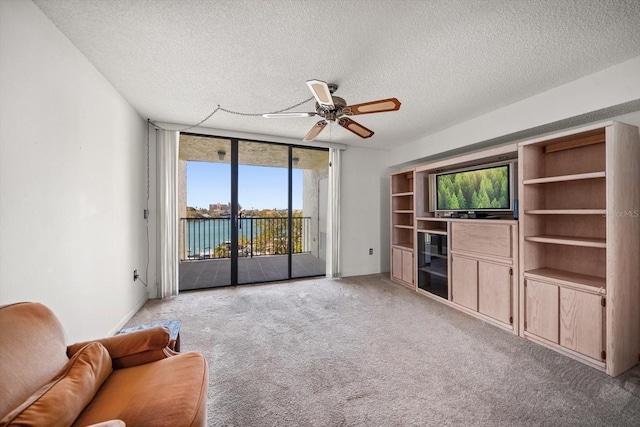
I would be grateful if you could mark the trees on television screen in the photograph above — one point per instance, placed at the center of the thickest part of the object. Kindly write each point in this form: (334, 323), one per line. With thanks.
(478, 189)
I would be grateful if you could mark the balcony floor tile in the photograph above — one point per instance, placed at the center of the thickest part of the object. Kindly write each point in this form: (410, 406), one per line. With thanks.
(214, 273)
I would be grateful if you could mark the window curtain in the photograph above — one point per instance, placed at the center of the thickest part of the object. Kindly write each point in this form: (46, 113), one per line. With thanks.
(167, 149)
(333, 214)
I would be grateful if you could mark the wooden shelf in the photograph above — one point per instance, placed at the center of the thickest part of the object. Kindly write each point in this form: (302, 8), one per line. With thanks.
(432, 218)
(406, 227)
(403, 211)
(432, 271)
(410, 193)
(432, 255)
(566, 212)
(405, 245)
(563, 178)
(567, 278)
(566, 240)
(432, 231)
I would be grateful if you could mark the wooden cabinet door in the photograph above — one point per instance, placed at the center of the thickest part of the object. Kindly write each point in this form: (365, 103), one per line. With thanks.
(494, 291)
(581, 318)
(464, 282)
(487, 239)
(407, 266)
(541, 310)
(402, 265)
(396, 263)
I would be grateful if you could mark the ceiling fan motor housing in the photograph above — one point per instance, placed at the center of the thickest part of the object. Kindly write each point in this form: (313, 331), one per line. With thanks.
(332, 114)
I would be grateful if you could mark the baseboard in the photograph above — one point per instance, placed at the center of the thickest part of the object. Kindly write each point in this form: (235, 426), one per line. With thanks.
(128, 316)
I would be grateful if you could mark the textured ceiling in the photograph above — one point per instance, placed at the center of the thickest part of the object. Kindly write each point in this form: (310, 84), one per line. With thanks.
(447, 61)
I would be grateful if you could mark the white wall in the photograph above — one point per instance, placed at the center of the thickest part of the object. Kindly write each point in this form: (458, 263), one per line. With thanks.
(72, 181)
(613, 86)
(364, 212)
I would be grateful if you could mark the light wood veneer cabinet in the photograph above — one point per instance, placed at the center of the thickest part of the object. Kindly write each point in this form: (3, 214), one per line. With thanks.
(483, 267)
(402, 228)
(402, 265)
(468, 264)
(580, 244)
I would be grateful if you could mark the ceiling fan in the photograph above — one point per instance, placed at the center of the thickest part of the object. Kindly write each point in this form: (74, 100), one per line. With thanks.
(334, 109)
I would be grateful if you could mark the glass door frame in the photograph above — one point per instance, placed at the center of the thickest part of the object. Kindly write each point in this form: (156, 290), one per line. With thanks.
(234, 211)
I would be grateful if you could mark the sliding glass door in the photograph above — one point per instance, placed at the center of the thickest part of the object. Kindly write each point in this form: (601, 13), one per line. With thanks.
(263, 217)
(250, 211)
(309, 197)
(204, 209)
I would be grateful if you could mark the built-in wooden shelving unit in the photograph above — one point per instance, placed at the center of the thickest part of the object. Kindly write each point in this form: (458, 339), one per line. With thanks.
(579, 289)
(564, 272)
(402, 227)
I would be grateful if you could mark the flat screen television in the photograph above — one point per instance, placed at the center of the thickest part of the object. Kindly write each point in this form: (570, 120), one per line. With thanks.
(487, 188)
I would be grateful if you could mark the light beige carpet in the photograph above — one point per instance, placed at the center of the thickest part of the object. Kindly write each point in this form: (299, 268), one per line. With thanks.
(364, 351)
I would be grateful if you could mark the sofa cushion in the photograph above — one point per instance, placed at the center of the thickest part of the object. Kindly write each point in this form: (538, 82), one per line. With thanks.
(168, 392)
(32, 351)
(59, 402)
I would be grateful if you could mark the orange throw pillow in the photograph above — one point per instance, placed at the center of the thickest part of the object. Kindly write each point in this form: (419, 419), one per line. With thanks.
(61, 401)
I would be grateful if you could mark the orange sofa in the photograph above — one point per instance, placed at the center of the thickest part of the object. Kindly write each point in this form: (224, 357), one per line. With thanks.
(132, 379)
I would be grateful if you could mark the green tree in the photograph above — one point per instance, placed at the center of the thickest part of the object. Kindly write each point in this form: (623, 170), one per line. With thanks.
(272, 234)
(453, 202)
(483, 200)
(462, 201)
(475, 200)
(486, 188)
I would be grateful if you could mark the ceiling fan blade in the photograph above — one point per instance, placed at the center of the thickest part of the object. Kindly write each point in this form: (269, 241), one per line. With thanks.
(315, 131)
(380, 106)
(287, 115)
(321, 92)
(355, 127)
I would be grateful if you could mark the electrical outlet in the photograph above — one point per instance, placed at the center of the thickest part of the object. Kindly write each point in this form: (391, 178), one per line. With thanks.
(370, 251)
(135, 275)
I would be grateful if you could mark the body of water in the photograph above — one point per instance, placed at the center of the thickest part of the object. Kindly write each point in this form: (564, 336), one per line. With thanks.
(207, 234)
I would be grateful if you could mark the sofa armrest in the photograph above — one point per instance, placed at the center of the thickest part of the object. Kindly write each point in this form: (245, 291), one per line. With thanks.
(134, 348)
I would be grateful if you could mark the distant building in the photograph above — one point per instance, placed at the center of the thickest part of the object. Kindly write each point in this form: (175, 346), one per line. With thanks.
(221, 209)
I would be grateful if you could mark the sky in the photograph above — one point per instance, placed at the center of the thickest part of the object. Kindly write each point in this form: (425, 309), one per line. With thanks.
(259, 187)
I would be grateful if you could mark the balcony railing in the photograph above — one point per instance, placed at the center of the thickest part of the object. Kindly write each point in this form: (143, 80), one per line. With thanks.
(210, 238)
